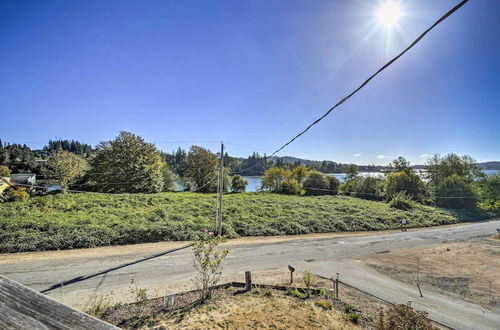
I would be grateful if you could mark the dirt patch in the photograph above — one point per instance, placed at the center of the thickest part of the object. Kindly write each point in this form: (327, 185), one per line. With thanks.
(230, 310)
(462, 270)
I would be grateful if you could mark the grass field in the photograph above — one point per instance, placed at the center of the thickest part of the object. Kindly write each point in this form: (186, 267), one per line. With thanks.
(69, 221)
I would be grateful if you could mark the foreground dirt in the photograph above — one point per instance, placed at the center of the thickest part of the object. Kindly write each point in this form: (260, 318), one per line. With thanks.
(251, 311)
(462, 270)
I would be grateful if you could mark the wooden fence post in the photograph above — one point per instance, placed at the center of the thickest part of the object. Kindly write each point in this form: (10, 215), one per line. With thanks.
(337, 286)
(248, 281)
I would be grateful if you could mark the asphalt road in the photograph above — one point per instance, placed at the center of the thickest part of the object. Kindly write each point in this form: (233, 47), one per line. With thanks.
(86, 276)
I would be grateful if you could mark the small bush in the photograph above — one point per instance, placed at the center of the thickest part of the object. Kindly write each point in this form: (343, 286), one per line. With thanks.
(349, 308)
(309, 281)
(325, 304)
(402, 317)
(4, 171)
(401, 201)
(17, 194)
(353, 317)
(295, 293)
(268, 293)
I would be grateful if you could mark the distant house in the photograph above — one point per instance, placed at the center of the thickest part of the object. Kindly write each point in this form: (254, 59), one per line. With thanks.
(24, 178)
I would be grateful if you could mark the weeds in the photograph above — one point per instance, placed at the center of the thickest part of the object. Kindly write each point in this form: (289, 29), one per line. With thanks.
(295, 293)
(309, 281)
(69, 221)
(325, 304)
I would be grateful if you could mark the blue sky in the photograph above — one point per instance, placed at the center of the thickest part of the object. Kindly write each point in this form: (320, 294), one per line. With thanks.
(253, 73)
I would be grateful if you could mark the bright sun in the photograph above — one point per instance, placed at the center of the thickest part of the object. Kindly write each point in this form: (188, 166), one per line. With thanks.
(388, 13)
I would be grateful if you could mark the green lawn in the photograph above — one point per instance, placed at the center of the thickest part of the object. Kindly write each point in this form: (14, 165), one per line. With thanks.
(69, 221)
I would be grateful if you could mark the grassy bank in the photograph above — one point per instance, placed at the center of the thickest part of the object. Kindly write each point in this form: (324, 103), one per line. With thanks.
(87, 220)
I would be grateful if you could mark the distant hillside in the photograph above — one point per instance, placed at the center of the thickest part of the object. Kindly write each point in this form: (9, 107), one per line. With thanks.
(495, 165)
(489, 165)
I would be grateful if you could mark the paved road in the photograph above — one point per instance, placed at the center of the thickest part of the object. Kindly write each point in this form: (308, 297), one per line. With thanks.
(321, 256)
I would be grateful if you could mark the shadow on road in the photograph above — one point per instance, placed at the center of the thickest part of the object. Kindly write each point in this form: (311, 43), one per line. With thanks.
(86, 277)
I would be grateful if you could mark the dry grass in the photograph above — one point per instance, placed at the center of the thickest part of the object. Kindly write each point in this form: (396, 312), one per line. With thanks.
(251, 311)
(462, 269)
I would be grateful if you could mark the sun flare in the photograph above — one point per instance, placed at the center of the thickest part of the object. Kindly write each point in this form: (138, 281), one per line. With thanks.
(388, 14)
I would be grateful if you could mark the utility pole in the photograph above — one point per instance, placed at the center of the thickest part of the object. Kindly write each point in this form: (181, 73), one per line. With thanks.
(220, 190)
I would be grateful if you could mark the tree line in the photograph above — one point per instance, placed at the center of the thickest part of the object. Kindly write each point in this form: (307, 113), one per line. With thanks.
(450, 181)
(129, 164)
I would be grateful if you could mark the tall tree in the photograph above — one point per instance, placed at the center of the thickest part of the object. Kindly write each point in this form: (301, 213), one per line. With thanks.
(200, 172)
(65, 168)
(399, 164)
(127, 164)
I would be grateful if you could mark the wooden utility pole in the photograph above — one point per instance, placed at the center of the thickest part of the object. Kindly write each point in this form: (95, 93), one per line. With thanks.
(220, 190)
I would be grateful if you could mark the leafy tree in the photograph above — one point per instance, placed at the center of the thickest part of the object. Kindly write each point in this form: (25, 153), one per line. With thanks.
(65, 168)
(399, 164)
(176, 160)
(489, 192)
(72, 146)
(200, 173)
(169, 179)
(403, 181)
(238, 184)
(367, 188)
(291, 187)
(299, 173)
(439, 168)
(4, 171)
(274, 178)
(19, 158)
(455, 192)
(334, 185)
(352, 172)
(127, 164)
(316, 183)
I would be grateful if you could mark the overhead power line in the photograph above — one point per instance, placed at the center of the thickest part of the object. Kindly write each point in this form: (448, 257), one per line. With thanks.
(445, 16)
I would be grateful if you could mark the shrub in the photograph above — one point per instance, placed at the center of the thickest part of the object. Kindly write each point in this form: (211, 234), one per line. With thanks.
(353, 317)
(238, 184)
(4, 171)
(291, 187)
(334, 185)
(402, 317)
(295, 293)
(208, 258)
(455, 193)
(316, 183)
(325, 304)
(274, 178)
(366, 188)
(309, 281)
(401, 201)
(490, 192)
(409, 183)
(17, 194)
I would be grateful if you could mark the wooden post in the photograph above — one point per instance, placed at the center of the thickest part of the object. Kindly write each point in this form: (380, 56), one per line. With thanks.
(491, 295)
(418, 277)
(291, 269)
(337, 286)
(220, 191)
(248, 281)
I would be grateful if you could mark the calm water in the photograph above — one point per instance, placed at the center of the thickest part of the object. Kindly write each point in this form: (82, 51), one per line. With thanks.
(254, 181)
